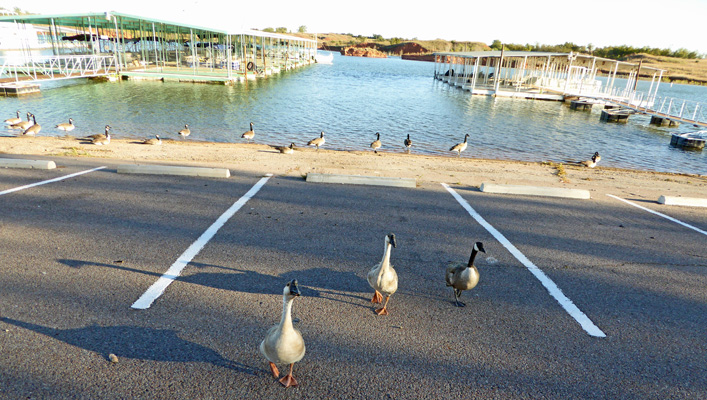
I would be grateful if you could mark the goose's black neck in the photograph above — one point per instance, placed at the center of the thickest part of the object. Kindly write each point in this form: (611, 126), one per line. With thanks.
(473, 257)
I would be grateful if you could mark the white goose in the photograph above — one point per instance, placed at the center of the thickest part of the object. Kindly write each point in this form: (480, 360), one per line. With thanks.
(283, 344)
(464, 277)
(459, 147)
(383, 278)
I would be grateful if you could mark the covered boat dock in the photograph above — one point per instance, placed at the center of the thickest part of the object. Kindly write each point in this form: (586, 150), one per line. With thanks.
(148, 48)
(538, 75)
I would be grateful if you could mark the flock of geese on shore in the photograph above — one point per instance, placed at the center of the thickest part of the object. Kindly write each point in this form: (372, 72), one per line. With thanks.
(30, 127)
(284, 344)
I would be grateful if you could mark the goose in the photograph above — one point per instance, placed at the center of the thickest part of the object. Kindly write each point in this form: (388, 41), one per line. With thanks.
(286, 149)
(66, 126)
(33, 129)
(283, 344)
(12, 121)
(464, 277)
(184, 132)
(317, 141)
(459, 147)
(250, 134)
(154, 141)
(591, 163)
(23, 124)
(102, 140)
(99, 135)
(408, 143)
(377, 143)
(383, 278)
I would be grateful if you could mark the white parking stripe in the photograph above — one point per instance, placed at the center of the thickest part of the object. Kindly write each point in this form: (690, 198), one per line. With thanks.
(157, 288)
(61, 178)
(551, 287)
(659, 214)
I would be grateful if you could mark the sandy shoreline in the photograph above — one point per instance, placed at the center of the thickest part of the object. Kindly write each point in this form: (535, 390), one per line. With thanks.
(427, 169)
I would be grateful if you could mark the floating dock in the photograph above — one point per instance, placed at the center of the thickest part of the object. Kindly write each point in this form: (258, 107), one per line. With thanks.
(689, 140)
(134, 47)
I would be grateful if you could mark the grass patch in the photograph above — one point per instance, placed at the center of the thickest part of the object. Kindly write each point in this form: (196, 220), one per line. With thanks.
(559, 171)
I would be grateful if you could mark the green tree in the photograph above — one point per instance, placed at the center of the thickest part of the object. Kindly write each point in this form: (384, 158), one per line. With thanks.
(302, 29)
(281, 30)
(271, 30)
(496, 45)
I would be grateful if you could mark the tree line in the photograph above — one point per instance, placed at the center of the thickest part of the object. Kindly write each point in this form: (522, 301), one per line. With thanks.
(612, 52)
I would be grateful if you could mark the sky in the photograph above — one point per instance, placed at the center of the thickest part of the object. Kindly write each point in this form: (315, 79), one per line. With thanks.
(654, 23)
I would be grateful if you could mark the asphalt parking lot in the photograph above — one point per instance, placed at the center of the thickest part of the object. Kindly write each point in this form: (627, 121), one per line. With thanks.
(76, 254)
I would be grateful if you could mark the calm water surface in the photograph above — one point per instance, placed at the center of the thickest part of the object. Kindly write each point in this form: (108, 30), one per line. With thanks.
(355, 98)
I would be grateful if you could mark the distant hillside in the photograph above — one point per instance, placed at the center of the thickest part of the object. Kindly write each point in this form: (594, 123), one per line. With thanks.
(393, 46)
(680, 70)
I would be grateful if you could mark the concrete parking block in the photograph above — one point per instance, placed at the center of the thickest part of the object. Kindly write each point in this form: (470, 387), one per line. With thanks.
(682, 201)
(28, 164)
(171, 170)
(362, 180)
(535, 191)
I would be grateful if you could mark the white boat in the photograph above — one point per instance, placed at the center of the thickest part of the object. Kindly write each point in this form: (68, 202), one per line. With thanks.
(325, 57)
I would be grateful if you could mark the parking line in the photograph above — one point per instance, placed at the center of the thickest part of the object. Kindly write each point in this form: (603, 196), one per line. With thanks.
(551, 287)
(61, 178)
(659, 214)
(157, 288)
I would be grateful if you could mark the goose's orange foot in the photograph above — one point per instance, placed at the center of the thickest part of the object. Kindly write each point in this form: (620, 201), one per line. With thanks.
(382, 311)
(288, 380)
(275, 371)
(377, 298)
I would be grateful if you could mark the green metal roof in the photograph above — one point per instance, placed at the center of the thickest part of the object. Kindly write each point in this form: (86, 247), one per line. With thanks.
(129, 21)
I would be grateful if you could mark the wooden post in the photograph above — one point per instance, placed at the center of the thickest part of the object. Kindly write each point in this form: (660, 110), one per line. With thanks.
(497, 74)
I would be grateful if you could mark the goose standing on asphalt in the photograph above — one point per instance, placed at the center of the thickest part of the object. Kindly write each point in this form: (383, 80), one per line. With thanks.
(283, 344)
(184, 132)
(66, 127)
(249, 135)
(33, 129)
(317, 141)
(459, 147)
(408, 144)
(464, 277)
(383, 278)
(102, 140)
(154, 141)
(13, 121)
(377, 143)
(23, 124)
(286, 149)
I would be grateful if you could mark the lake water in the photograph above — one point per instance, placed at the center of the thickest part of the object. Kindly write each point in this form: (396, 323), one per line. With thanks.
(353, 99)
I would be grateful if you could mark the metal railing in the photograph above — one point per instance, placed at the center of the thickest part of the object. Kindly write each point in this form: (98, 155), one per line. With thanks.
(42, 68)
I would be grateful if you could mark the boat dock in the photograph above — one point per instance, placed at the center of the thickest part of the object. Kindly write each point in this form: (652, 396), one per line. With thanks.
(563, 76)
(125, 46)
